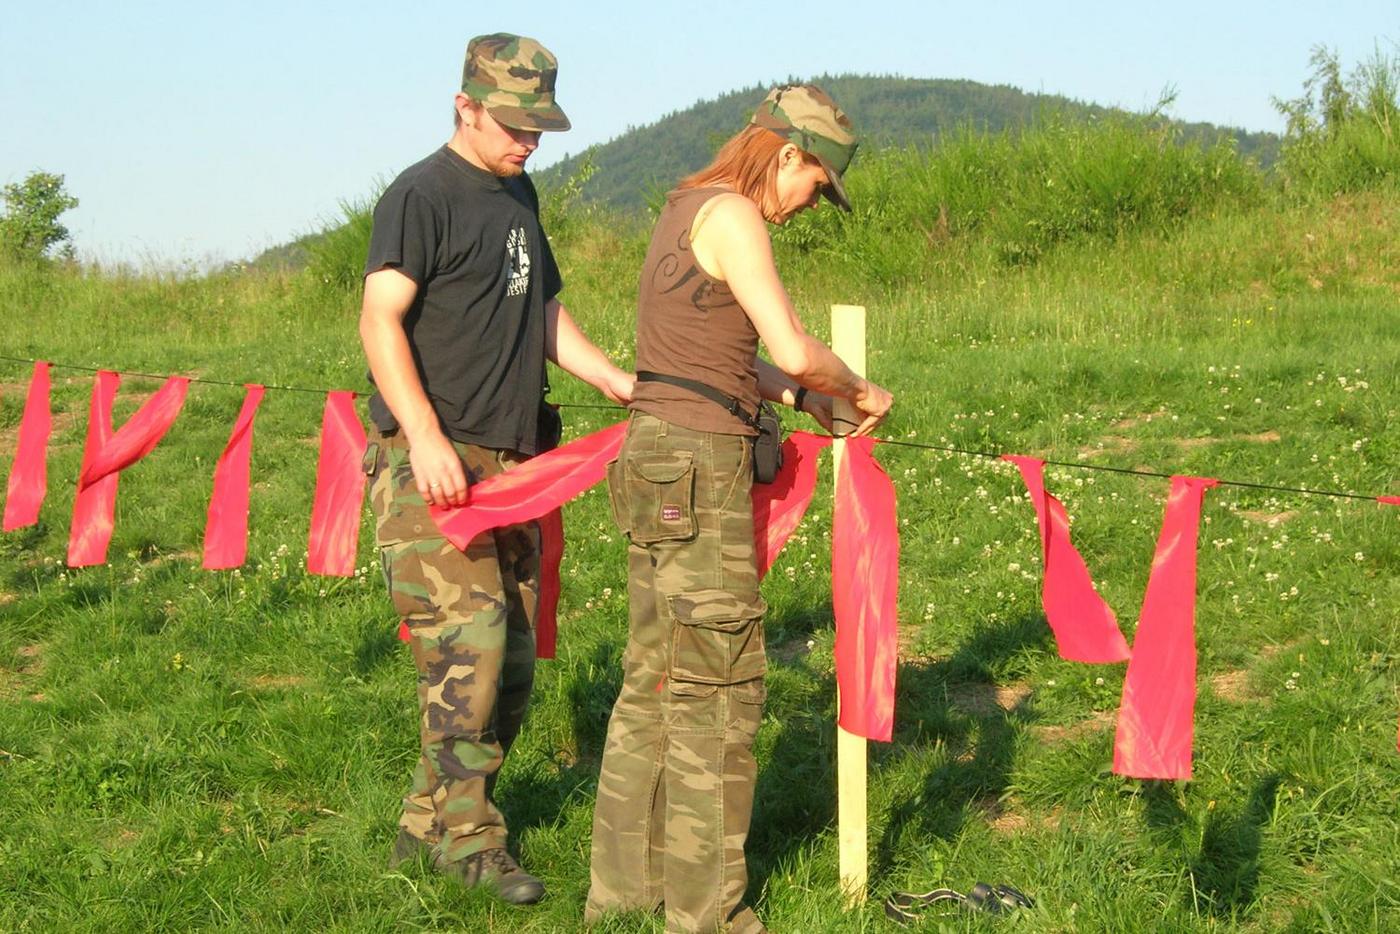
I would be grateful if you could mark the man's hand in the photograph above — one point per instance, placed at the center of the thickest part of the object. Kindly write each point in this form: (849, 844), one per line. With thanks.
(437, 470)
(618, 386)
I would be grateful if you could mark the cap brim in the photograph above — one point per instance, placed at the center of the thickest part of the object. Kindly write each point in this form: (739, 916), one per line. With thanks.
(834, 190)
(519, 118)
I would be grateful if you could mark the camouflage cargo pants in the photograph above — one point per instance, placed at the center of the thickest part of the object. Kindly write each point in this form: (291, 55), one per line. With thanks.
(470, 620)
(676, 791)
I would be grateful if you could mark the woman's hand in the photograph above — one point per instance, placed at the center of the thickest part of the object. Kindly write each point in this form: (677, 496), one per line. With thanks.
(874, 403)
(819, 406)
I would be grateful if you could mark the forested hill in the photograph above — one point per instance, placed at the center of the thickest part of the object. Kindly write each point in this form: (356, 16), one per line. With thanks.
(898, 111)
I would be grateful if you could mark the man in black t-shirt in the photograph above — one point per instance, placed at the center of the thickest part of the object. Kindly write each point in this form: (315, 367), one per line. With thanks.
(460, 313)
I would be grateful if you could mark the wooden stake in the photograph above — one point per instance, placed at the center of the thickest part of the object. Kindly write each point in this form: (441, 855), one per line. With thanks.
(848, 341)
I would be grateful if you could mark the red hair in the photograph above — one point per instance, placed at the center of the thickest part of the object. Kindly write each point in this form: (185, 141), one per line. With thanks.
(748, 163)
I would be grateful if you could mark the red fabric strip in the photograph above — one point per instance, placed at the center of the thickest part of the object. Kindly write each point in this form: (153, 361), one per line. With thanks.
(226, 530)
(527, 492)
(1085, 628)
(551, 556)
(29, 478)
(95, 503)
(778, 507)
(340, 489)
(141, 433)
(1159, 692)
(1388, 500)
(864, 582)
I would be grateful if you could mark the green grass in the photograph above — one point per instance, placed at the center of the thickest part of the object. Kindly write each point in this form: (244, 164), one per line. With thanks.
(182, 749)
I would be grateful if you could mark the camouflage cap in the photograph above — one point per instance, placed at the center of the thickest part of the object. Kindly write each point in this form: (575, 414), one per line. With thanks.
(806, 116)
(513, 77)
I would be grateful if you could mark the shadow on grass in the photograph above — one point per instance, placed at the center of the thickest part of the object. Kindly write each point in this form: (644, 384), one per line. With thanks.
(951, 701)
(379, 637)
(1225, 867)
(538, 797)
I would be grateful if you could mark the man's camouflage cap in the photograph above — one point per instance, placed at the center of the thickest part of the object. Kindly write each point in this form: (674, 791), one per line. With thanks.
(804, 114)
(513, 77)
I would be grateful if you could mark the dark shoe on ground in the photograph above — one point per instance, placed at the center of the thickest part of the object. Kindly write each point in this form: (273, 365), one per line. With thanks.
(497, 871)
(408, 849)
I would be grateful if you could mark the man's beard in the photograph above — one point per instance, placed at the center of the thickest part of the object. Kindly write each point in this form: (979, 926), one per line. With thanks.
(505, 169)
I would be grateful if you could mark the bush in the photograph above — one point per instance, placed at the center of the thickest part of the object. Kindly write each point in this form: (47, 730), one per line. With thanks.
(336, 258)
(1018, 196)
(1342, 134)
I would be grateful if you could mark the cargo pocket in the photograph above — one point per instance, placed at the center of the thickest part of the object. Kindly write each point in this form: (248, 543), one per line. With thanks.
(660, 496)
(717, 638)
(746, 708)
(617, 497)
(400, 513)
(408, 583)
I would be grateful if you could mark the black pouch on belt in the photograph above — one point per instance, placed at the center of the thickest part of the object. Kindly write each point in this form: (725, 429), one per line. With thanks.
(767, 444)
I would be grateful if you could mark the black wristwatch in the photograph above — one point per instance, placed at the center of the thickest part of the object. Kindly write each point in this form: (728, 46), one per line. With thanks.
(798, 397)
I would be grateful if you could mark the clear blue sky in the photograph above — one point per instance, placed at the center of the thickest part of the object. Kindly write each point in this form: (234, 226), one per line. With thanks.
(195, 133)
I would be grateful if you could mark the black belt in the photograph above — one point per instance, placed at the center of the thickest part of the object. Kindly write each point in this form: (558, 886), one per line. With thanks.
(731, 404)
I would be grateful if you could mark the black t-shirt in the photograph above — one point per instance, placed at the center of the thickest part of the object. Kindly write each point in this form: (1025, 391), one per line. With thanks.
(484, 270)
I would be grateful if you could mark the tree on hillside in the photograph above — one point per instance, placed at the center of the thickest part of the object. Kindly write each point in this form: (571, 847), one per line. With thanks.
(29, 228)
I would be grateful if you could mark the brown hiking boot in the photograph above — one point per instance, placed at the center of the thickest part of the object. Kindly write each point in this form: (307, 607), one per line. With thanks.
(497, 871)
(408, 849)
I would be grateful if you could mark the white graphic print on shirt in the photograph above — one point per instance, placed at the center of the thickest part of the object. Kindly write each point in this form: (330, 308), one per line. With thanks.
(519, 258)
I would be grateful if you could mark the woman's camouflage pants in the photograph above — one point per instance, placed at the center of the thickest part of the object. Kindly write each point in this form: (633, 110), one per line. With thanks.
(470, 620)
(676, 790)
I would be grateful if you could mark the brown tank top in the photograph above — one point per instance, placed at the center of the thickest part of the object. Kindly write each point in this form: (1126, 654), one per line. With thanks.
(689, 324)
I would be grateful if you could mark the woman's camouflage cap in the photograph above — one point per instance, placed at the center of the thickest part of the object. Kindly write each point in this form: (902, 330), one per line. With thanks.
(804, 115)
(513, 77)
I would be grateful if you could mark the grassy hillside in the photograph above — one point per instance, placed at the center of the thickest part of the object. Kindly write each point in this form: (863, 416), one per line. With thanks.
(887, 111)
(188, 750)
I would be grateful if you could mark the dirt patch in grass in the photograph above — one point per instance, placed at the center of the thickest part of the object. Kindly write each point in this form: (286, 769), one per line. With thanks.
(13, 680)
(1097, 722)
(1111, 444)
(1231, 686)
(1133, 421)
(988, 700)
(277, 682)
(1003, 818)
(1270, 519)
(789, 652)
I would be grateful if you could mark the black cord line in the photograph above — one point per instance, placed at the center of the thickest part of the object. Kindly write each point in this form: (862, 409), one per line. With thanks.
(193, 379)
(1337, 494)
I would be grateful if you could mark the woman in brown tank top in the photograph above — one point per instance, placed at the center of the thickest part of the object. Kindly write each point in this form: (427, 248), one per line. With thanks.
(678, 773)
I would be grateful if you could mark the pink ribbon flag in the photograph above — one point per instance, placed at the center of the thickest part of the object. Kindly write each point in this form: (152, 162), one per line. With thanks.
(864, 584)
(340, 489)
(29, 474)
(1085, 628)
(226, 530)
(106, 454)
(1159, 692)
(778, 507)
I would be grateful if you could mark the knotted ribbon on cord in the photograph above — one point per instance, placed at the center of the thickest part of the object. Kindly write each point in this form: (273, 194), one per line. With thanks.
(340, 489)
(28, 482)
(1159, 691)
(1085, 628)
(107, 453)
(226, 531)
(864, 584)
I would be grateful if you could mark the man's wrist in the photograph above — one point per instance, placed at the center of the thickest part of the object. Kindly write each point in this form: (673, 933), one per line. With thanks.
(798, 398)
